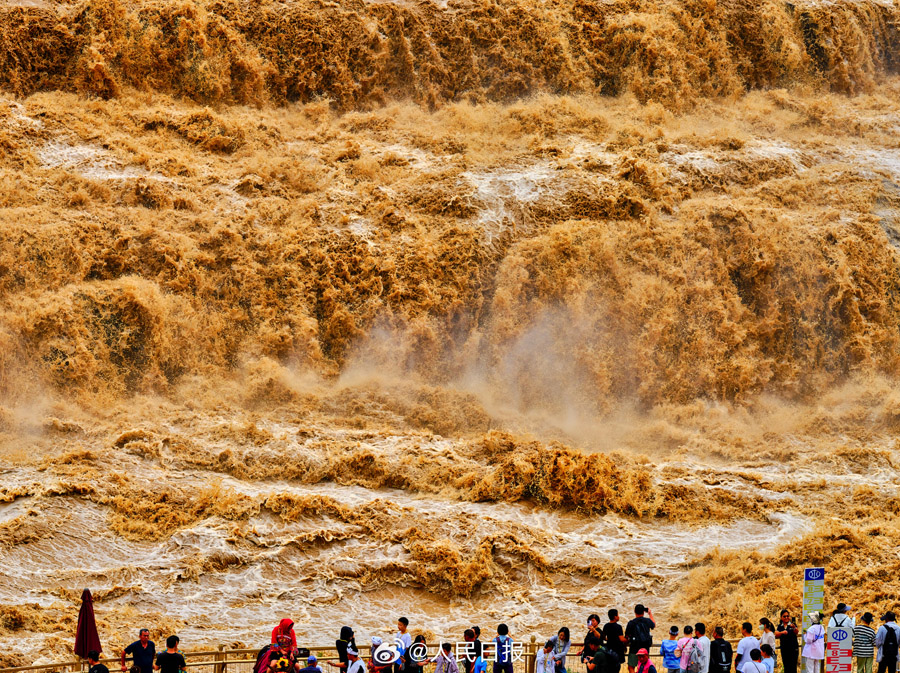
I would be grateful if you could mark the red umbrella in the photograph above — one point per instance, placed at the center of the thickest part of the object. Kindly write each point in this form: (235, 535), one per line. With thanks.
(86, 638)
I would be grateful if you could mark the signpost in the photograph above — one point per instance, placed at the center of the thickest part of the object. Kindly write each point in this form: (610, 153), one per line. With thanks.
(813, 593)
(839, 650)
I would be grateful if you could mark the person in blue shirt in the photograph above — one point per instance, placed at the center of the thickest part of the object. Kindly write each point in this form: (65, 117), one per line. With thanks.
(142, 651)
(667, 649)
(768, 657)
(311, 665)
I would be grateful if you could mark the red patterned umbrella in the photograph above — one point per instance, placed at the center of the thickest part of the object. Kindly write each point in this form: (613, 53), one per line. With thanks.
(86, 638)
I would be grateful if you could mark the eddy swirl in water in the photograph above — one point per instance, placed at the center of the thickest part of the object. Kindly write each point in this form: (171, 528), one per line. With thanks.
(493, 313)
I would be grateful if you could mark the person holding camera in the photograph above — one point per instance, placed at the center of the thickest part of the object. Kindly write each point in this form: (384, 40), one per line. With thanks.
(786, 632)
(638, 631)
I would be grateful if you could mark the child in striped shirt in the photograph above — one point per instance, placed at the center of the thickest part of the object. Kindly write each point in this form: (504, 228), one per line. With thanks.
(864, 644)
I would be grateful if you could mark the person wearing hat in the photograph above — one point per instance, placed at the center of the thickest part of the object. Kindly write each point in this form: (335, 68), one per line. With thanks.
(864, 644)
(814, 643)
(312, 665)
(374, 666)
(354, 663)
(887, 644)
(842, 617)
(644, 665)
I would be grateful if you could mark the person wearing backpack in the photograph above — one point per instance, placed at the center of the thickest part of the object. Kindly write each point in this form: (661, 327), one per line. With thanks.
(720, 652)
(686, 647)
(886, 640)
(638, 633)
(503, 662)
(604, 661)
(841, 617)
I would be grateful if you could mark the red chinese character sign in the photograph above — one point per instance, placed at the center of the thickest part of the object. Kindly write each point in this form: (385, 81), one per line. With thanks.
(839, 650)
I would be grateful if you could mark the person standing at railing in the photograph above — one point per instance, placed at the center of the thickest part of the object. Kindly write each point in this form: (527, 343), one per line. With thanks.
(703, 643)
(720, 652)
(562, 641)
(746, 645)
(312, 665)
(639, 634)
(787, 633)
(686, 646)
(614, 636)
(472, 651)
(768, 657)
(668, 649)
(420, 650)
(543, 659)
(354, 663)
(343, 644)
(768, 635)
(864, 644)
(170, 661)
(142, 651)
(504, 646)
(814, 649)
(644, 665)
(93, 658)
(406, 640)
(887, 640)
(446, 662)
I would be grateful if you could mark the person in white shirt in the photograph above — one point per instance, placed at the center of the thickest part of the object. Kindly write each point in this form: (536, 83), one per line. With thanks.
(748, 644)
(814, 643)
(841, 617)
(754, 663)
(354, 663)
(446, 662)
(543, 660)
(703, 644)
(403, 637)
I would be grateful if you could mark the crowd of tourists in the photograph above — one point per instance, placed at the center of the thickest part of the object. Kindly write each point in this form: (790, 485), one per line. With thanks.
(604, 649)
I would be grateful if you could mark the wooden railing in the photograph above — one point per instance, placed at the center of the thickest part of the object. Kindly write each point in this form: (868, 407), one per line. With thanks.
(225, 660)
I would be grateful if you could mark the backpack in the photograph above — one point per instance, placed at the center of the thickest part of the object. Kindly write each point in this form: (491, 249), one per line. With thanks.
(722, 656)
(607, 659)
(695, 657)
(504, 649)
(640, 632)
(889, 646)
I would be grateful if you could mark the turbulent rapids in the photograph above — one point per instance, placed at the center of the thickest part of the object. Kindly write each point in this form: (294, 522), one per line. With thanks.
(512, 311)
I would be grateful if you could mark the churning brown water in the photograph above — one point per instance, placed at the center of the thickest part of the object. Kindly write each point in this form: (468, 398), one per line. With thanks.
(474, 312)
